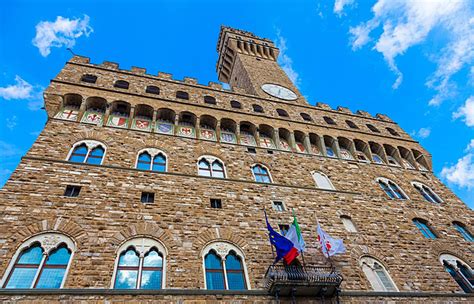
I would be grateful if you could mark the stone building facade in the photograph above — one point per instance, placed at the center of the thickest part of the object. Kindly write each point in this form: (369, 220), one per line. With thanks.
(86, 187)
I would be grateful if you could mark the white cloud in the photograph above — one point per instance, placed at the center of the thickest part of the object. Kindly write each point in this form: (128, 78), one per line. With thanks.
(466, 112)
(422, 132)
(406, 23)
(20, 90)
(340, 4)
(62, 32)
(285, 61)
(11, 122)
(461, 173)
(8, 150)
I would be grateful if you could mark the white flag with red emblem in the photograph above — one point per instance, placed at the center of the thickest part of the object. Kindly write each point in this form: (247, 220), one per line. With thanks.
(329, 246)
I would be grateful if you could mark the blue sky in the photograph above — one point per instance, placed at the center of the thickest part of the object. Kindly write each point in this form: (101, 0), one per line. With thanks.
(412, 60)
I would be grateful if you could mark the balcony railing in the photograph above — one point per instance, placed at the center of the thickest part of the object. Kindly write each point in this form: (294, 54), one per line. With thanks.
(294, 281)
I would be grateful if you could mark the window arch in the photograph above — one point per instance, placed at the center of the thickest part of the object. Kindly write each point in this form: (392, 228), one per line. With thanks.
(282, 113)
(322, 181)
(182, 95)
(121, 84)
(424, 228)
(465, 233)
(460, 271)
(257, 108)
(306, 117)
(377, 275)
(392, 131)
(140, 264)
(41, 262)
(224, 267)
(87, 151)
(235, 104)
(348, 223)
(373, 128)
(392, 190)
(329, 120)
(427, 193)
(261, 174)
(152, 90)
(211, 166)
(351, 124)
(210, 100)
(152, 159)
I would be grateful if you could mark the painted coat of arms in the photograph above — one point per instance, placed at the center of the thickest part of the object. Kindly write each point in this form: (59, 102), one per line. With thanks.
(247, 139)
(284, 145)
(141, 124)
(208, 134)
(300, 147)
(92, 117)
(164, 128)
(68, 114)
(186, 131)
(266, 142)
(228, 137)
(117, 121)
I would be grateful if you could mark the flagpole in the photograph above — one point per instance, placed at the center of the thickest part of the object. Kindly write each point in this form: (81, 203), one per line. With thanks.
(271, 245)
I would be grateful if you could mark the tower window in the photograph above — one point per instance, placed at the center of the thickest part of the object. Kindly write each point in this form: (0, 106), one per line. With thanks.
(463, 231)
(182, 95)
(209, 100)
(148, 197)
(393, 132)
(391, 189)
(348, 224)
(261, 174)
(278, 206)
(251, 150)
(235, 104)
(282, 113)
(72, 191)
(427, 193)
(89, 78)
(329, 120)
(257, 108)
(351, 124)
(306, 117)
(424, 228)
(152, 90)
(372, 128)
(216, 203)
(121, 84)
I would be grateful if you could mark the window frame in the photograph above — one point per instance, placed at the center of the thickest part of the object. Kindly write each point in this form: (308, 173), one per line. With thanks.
(222, 250)
(122, 84)
(454, 262)
(348, 224)
(153, 152)
(141, 245)
(91, 145)
(73, 188)
(48, 242)
(264, 167)
(87, 78)
(463, 231)
(370, 264)
(152, 89)
(435, 199)
(182, 95)
(280, 203)
(234, 104)
(211, 159)
(326, 177)
(389, 184)
(425, 228)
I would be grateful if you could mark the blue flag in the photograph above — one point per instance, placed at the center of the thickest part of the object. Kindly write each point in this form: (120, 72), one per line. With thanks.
(283, 246)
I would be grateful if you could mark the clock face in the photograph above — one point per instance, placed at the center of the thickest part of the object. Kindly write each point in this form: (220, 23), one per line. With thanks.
(279, 91)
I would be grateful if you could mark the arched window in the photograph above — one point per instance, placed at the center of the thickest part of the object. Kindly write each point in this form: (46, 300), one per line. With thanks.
(391, 189)
(257, 108)
(235, 104)
(121, 84)
(211, 166)
(373, 128)
(152, 90)
(346, 154)
(351, 124)
(182, 95)
(459, 271)
(393, 132)
(261, 174)
(427, 193)
(348, 224)
(140, 264)
(87, 151)
(152, 159)
(322, 181)
(306, 117)
(282, 113)
(89, 78)
(461, 228)
(377, 275)
(377, 159)
(329, 120)
(209, 100)
(41, 262)
(392, 161)
(224, 267)
(424, 228)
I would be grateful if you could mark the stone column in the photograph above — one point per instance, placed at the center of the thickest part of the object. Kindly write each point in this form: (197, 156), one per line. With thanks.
(106, 115)
(307, 144)
(82, 110)
(131, 116)
(276, 138)
(218, 131)
(153, 121)
(198, 127)
(292, 142)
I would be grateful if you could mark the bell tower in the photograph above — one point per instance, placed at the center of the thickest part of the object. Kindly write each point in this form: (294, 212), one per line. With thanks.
(250, 62)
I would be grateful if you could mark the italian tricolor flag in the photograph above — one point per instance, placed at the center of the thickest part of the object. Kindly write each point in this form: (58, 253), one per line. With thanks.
(295, 236)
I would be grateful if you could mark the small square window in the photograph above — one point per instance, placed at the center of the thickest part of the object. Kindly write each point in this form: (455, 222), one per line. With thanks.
(284, 229)
(278, 206)
(72, 191)
(252, 150)
(270, 151)
(148, 197)
(216, 203)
